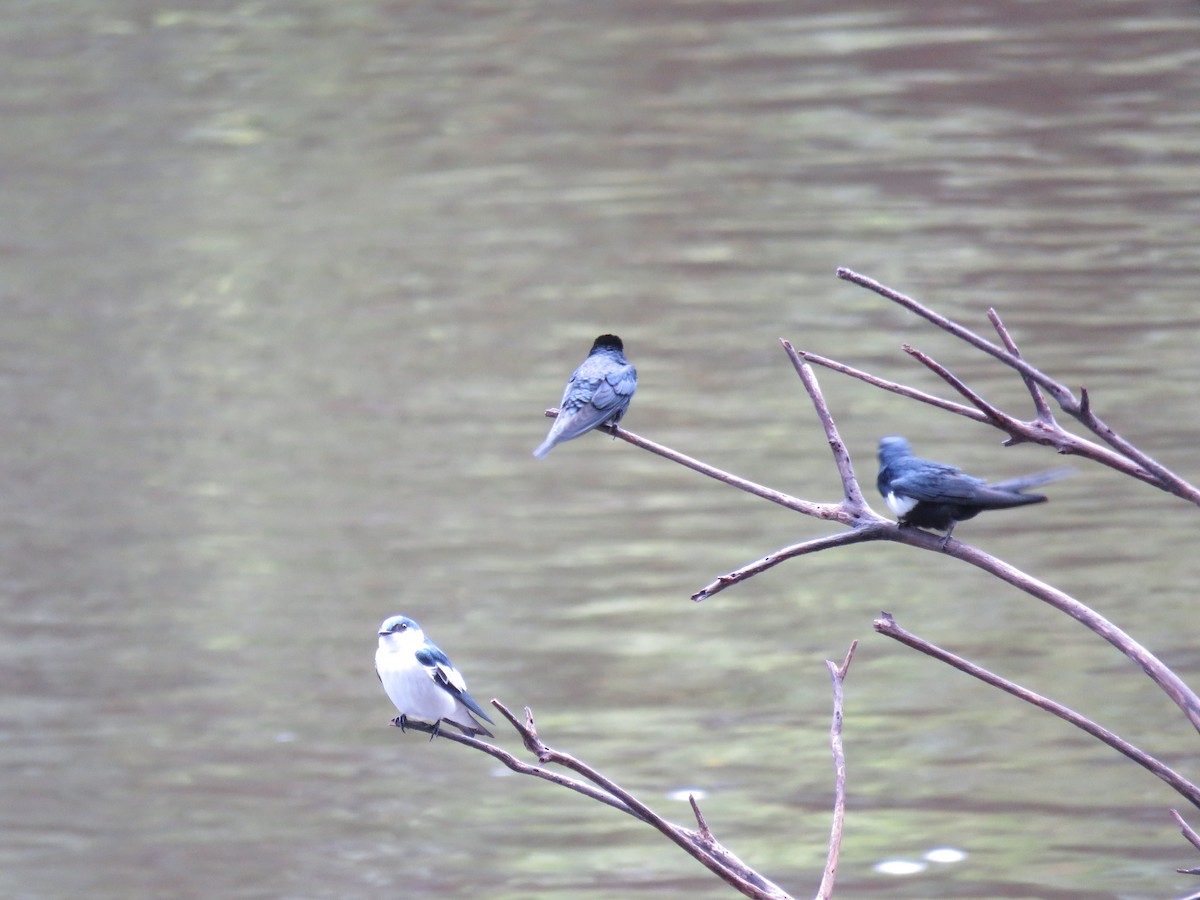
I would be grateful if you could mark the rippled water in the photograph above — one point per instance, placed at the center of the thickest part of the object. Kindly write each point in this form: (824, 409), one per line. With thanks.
(287, 286)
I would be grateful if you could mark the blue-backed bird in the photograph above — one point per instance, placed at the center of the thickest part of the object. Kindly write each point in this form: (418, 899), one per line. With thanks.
(422, 682)
(936, 495)
(598, 393)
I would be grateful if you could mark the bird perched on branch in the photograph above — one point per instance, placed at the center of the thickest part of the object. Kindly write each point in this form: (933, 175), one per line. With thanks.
(422, 682)
(935, 495)
(598, 393)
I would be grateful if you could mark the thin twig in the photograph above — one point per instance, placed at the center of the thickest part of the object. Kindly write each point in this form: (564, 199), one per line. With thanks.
(713, 856)
(838, 674)
(857, 535)
(521, 767)
(701, 846)
(1059, 392)
(992, 414)
(1188, 831)
(887, 626)
(893, 386)
(1018, 431)
(865, 526)
(700, 820)
(854, 503)
(1044, 413)
(1135, 462)
(808, 508)
(1172, 685)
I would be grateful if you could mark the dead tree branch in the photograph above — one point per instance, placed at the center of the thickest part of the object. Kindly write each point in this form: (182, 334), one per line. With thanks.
(1194, 839)
(1111, 450)
(865, 525)
(699, 844)
(1039, 399)
(838, 674)
(1124, 456)
(887, 626)
(808, 508)
(868, 532)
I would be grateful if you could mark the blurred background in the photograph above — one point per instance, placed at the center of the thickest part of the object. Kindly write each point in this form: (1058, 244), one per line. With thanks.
(286, 289)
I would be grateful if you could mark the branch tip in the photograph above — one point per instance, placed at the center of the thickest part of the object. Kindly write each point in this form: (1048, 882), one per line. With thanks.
(705, 833)
(845, 666)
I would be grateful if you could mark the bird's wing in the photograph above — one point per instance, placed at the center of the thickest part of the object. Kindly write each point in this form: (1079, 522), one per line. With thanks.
(443, 673)
(587, 403)
(441, 669)
(945, 485)
(572, 388)
(615, 389)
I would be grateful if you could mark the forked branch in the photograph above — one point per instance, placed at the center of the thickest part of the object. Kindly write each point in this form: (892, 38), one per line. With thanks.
(1124, 455)
(865, 525)
(699, 843)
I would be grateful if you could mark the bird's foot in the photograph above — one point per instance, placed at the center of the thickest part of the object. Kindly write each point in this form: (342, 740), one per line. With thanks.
(400, 722)
(435, 730)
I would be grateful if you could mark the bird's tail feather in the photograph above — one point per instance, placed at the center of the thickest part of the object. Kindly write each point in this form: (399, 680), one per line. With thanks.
(1028, 481)
(471, 729)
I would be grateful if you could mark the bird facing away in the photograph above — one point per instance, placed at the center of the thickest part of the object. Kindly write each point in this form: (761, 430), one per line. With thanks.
(422, 682)
(599, 392)
(935, 495)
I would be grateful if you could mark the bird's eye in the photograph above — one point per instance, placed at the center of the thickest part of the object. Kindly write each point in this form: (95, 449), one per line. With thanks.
(402, 627)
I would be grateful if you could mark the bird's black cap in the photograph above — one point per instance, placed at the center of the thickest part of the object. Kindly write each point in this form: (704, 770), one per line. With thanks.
(609, 341)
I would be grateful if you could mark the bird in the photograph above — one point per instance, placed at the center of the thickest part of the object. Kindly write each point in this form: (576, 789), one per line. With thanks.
(935, 495)
(598, 392)
(422, 682)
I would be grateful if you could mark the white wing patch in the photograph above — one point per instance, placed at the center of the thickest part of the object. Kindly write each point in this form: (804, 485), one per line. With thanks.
(450, 675)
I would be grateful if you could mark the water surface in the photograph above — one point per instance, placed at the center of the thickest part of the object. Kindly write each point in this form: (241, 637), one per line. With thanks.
(287, 286)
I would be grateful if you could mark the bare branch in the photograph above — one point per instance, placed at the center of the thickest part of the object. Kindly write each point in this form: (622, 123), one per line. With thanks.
(1172, 685)
(705, 833)
(701, 846)
(854, 498)
(1127, 458)
(895, 387)
(519, 766)
(866, 532)
(838, 674)
(816, 510)
(1047, 433)
(887, 626)
(1018, 431)
(866, 525)
(1039, 399)
(992, 414)
(1060, 393)
(1187, 830)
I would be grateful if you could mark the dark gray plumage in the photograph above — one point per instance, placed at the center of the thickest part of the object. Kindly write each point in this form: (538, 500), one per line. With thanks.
(599, 392)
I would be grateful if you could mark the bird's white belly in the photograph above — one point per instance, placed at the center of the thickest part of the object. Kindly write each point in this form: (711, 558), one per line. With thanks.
(412, 690)
(899, 505)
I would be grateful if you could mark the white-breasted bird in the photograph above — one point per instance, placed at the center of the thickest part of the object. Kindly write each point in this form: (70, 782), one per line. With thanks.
(930, 494)
(422, 682)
